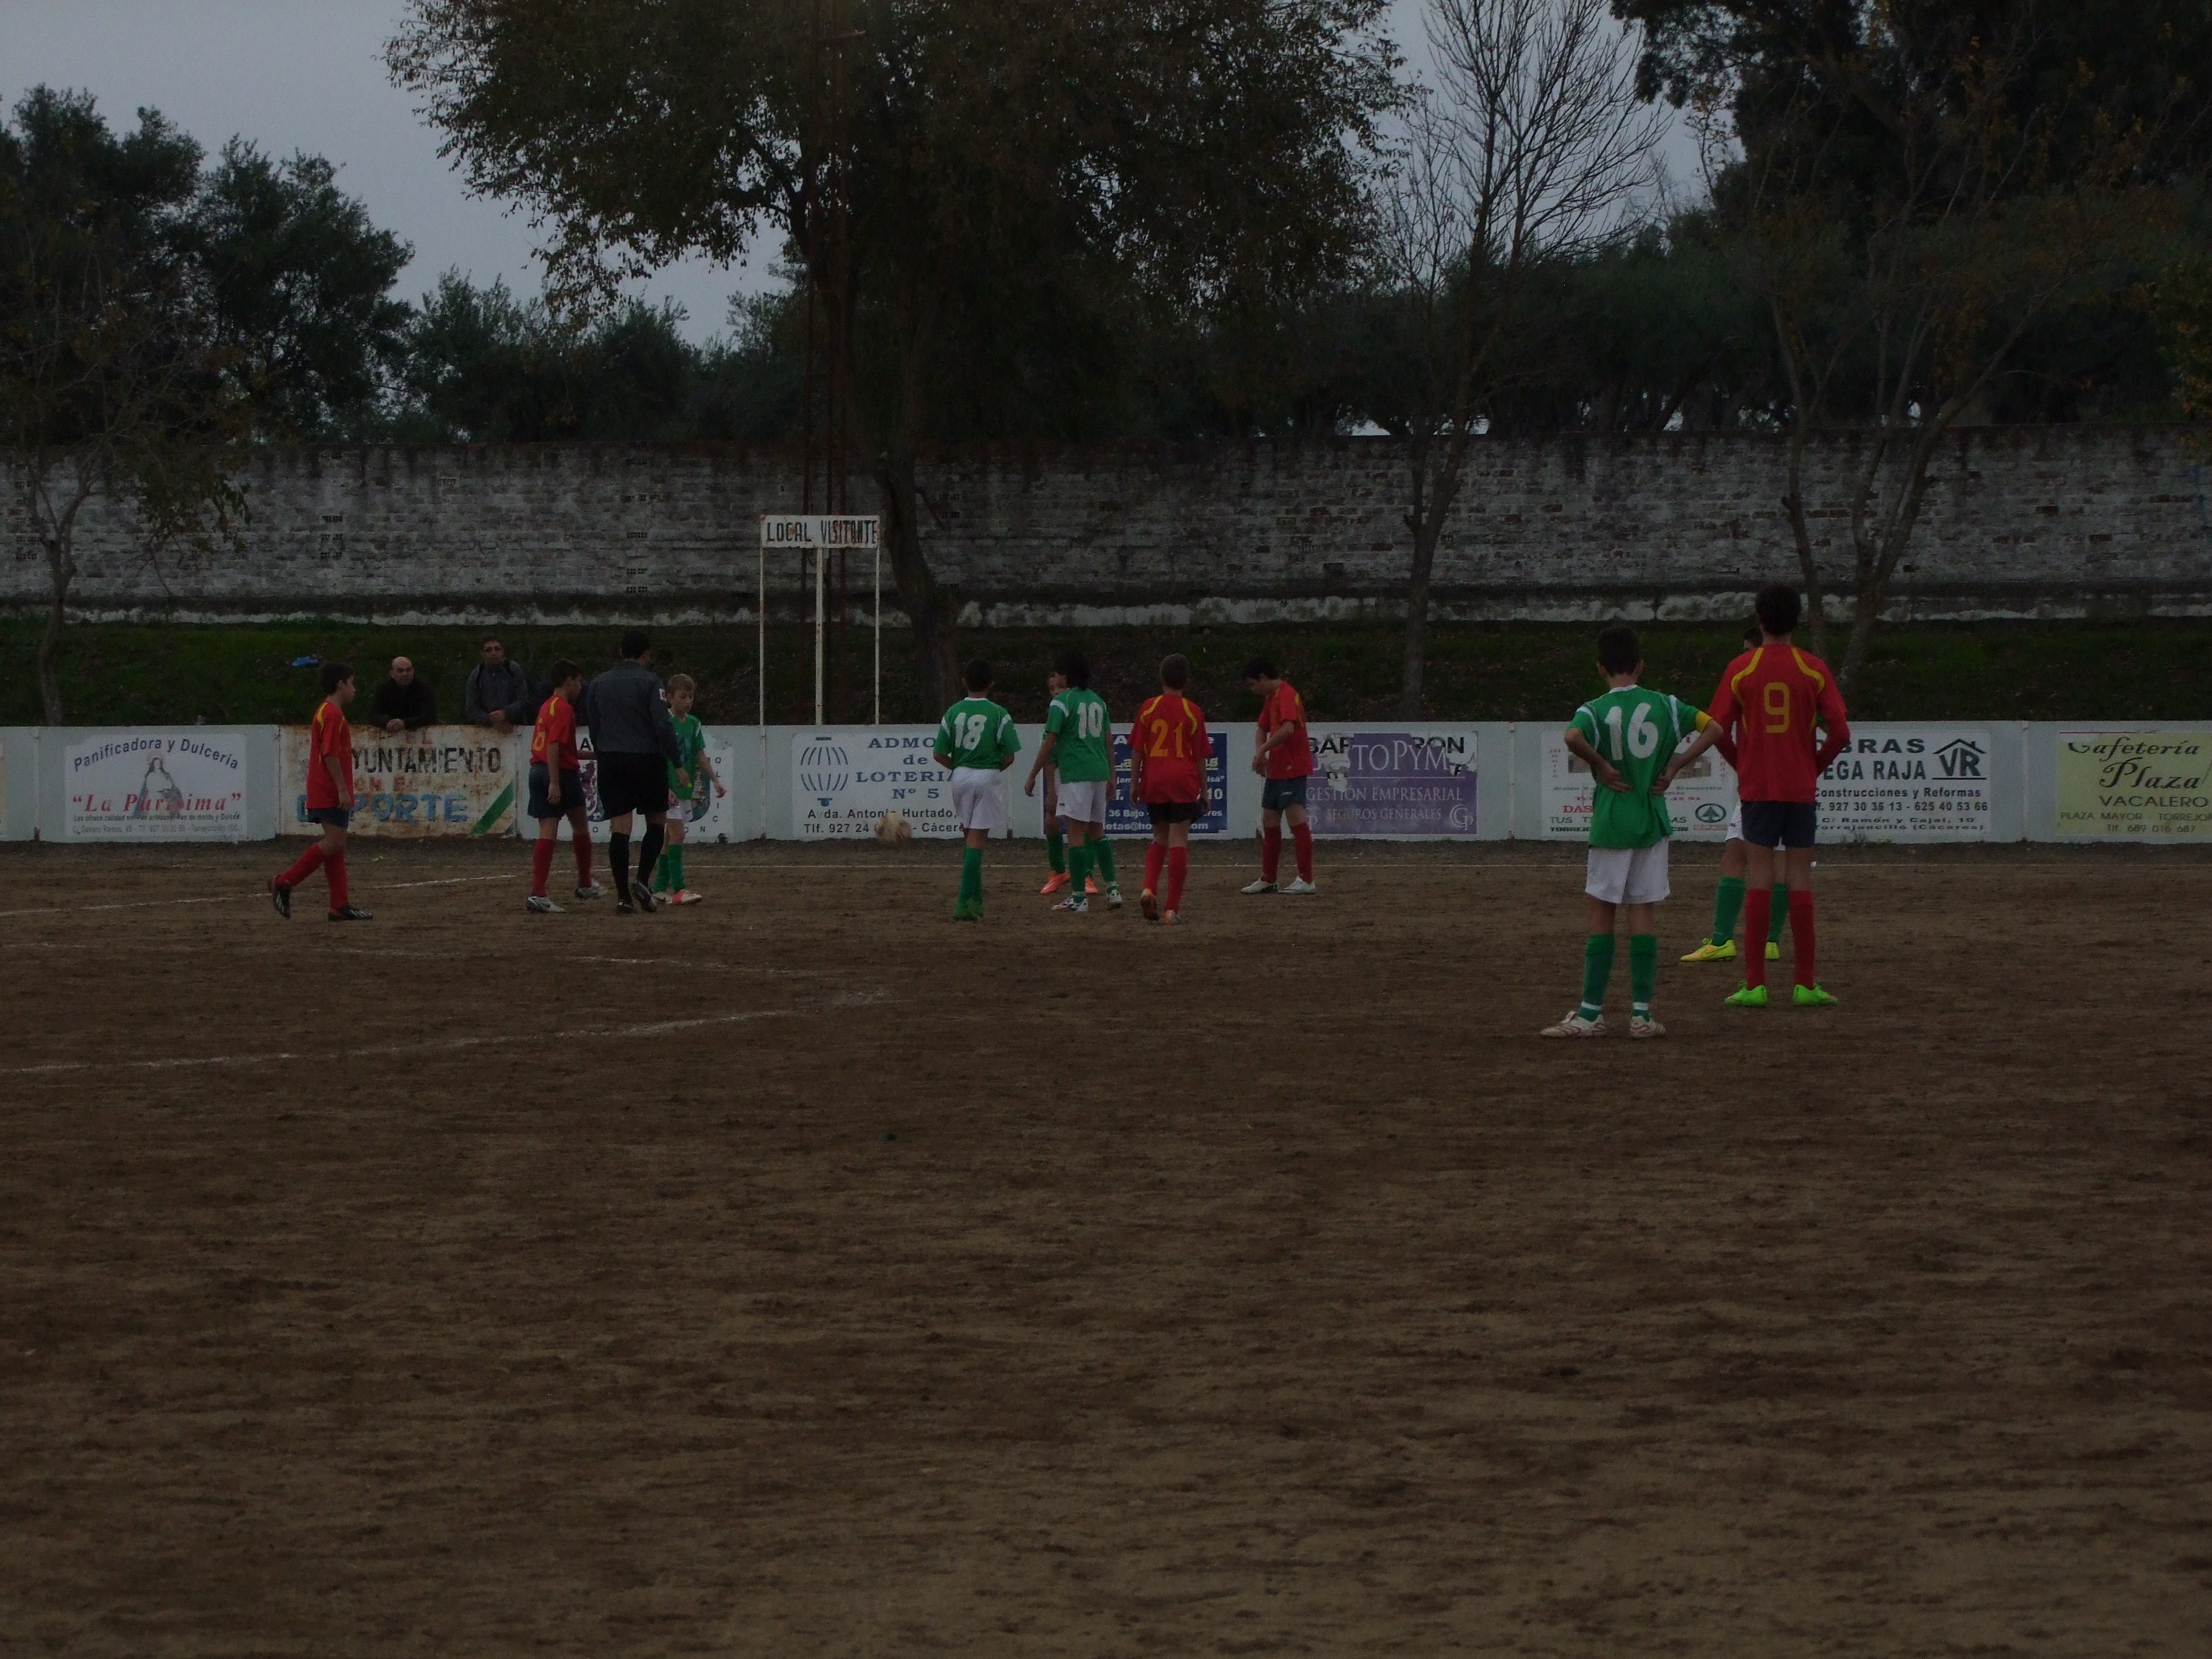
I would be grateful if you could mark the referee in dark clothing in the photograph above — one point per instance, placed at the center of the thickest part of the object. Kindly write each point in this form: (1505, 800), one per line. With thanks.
(633, 740)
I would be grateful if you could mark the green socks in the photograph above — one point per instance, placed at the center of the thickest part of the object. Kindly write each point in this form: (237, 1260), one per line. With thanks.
(1781, 901)
(1597, 967)
(1054, 849)
(971, 883)
(1079, 869)
(1643, 971)
(1103, 852)
(1728, 905)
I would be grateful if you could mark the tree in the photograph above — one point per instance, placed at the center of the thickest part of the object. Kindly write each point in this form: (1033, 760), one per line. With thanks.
(922, 160)
(1920, 185)
(112, 380)
(1531, 148)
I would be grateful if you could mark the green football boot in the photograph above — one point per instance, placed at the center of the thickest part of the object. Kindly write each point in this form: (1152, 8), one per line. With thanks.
(1750, 996)
(1810, 996)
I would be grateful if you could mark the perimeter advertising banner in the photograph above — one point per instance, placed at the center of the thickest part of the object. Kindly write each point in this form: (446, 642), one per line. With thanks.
(1377, 782)
(1125, 817)
(2135, 785)
(145, 786)
(1896, 782)
(441, 781)
(842, 782)
(713, 818)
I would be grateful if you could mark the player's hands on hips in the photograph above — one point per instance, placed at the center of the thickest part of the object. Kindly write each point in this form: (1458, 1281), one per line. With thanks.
(1609, 775)
(1659, 784)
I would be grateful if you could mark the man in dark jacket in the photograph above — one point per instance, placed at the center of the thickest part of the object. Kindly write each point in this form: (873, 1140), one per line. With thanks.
(403, 702)
(633, 740)
(498, 691)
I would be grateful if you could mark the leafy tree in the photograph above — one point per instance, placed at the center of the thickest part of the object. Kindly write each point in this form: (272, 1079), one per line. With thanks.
(922, 159)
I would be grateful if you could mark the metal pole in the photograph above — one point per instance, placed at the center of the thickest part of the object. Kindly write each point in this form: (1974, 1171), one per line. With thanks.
(821, 558)
(879, 623)
(760, 616)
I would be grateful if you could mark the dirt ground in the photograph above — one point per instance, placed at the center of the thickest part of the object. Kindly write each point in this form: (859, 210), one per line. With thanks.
(804, 1274)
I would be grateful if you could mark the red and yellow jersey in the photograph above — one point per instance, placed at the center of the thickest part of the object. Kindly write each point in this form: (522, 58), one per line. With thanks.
(1293, 757)
(1771, 698)
(553, 738)
(330, 737)
(1168, 747)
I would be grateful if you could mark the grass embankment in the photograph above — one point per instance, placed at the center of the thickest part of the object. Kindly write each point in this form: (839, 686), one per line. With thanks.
(120, 673)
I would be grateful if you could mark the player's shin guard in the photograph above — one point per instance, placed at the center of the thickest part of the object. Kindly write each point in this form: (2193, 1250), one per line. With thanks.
(1156, 855)
(1271, 853)
(971, 880)
(307, 863)
(1178, 867)
(1103, 851)
(1055, 851)
(1728, 905)
(671, 862)
(1757, 909)
(1597, 968)
(1643, 971)
(656, 837)
(580, 844)
(1302, 839)
(1781, 913)
(1079, 869)
(618, 860)
(334, 871)
(541, 865)
(1803, 933)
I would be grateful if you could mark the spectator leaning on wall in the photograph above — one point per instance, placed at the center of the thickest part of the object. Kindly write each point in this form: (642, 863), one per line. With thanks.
(403, 703)
(498, 694)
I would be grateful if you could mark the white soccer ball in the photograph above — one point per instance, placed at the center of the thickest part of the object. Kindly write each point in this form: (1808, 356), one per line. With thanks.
(893, 829)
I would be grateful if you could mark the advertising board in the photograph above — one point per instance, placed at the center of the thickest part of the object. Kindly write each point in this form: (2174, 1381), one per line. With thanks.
(415, 785)
(843, 781)
(1373, 781)
(1125, 817)
(2134, 786)
(124, 785)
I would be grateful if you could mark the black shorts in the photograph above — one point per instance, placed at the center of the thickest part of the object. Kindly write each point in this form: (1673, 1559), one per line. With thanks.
(1278, 792)
(336, 817)
(1780, 822)
(572, 791)
(633, 783)
(1175, 811)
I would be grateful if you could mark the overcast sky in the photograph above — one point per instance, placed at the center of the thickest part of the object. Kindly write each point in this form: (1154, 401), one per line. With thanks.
(295, 75)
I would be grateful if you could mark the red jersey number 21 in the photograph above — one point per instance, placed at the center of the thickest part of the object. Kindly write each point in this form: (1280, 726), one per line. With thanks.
(1777, 696)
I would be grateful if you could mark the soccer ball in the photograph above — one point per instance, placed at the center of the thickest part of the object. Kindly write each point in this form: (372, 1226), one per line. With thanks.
(893, 829)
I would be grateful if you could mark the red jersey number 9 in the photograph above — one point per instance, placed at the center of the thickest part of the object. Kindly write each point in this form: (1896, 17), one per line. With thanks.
(1777, 706)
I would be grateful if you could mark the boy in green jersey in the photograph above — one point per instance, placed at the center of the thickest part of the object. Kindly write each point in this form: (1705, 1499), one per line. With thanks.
(1625, 738)
(689, 775)
(1076, 736)
(976, 741)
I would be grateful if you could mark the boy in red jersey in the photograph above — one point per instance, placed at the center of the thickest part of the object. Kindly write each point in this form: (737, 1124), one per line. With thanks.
(329, 799)
(1168, 747)
(1770, 699)
(1283, 755)
(556, 790)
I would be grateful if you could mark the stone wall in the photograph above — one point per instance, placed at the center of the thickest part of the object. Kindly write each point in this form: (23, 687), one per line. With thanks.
(2044, 521)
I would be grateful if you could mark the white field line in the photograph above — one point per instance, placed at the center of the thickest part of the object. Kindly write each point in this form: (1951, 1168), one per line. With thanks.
(237, 898)
(651, 1027)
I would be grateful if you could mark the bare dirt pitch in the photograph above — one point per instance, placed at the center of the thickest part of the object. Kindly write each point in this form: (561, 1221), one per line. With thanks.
(802, 1274)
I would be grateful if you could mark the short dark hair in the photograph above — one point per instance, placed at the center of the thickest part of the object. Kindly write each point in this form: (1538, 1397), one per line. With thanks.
(1261, 668)
(490, 639)
(1618, 649)
(978, 675)
(563, 670)
(1174, 672)
(1074, 667)
(634, 643)
(1779, 609)
(336, 674)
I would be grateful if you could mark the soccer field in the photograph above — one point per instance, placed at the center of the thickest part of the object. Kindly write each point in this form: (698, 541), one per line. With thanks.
(801, 1273)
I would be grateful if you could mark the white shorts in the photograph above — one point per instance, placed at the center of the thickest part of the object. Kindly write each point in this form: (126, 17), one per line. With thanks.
(1627, 875)
(681, 812)
(1083, 803)
(976, 800)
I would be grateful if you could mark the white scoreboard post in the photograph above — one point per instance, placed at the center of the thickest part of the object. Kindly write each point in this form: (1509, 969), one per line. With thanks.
(821, 533)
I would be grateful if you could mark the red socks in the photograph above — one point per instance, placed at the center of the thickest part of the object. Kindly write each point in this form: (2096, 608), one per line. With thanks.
(582, 846)
(1155, 854)
(1271, 853)
(1758, 911)
(1801, 932)
(1302, 837)
(1178, 867)
(334, 873)
(541, 865)
(309, 862)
